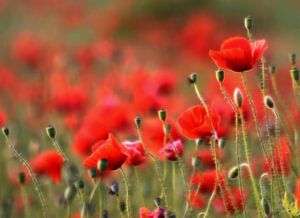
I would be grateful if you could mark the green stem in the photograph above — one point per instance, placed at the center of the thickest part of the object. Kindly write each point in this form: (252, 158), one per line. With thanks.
(31, 173)
(137, 177)
(25, 200)
(246, 150)
(128, 205)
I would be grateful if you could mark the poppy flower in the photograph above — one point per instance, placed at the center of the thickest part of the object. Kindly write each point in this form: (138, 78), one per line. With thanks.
(109, 150)
(2, 118)
(232, 200)
(206, 156)
(173, 150)
(195, 123)
(48, 163)
(197, 200)
(135, 151)
(206, 180)
(157, 213)
(238, 54)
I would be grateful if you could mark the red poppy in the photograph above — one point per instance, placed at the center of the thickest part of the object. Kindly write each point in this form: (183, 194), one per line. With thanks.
(206, 180)
(48, 163)
(282, 158)
(195, 123)
(232, 200)
(173, 150)
(238, 54)
(135, 151)
(206, 157)
(109, 150)
(197, 200)
(157, 213)
(2, 118)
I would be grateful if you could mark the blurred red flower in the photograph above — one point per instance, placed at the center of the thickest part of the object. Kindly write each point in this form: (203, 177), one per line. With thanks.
(206, 180)
(109, 150)
(206, 157)
(2, 118)
(197, 200)
(232, 200)
(238, 54)
(173, 150)
(195, 123)
(297, 191)
(135, 151)
(157, 213)
(48, 163)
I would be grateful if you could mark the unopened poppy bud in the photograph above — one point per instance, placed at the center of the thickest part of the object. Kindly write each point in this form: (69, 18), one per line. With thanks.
(105, 214)
(233, 173)
(220, 75)
(269, 102)
(192, 78)
(272, 69)
(70, 193)
(162, 114)
(238, 97)
(295, 74)
(80, 184)
(171, 215)
(248, 22)
(22, 178)
(266, 206)
(51, 132)
(70, 173)
(138, 122)
(5, 131)
(292, 58)
(102, 165)
(157, 201)
(196, 162)
(93, 172)
(114, 189)
(200, 141)
(123, 206)
(221, 143)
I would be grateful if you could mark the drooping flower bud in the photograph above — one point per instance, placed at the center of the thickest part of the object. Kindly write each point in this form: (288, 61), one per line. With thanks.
(266, 206)
(5, 131)
(248, 22)
(70, 193)
(162, 114)
(138, 122)
(22, 178)
(158, 201)
(292, 58)
(192, 78)
(272, 69)
(102, 165)
(220, 75)
(105, 214)
(123, 206)
(221, 143)
(114, 188)
(269, 103)
(233, 173)
(238, 97)
(51, 132)
(93, 172)
(295, 74)
(79, 184)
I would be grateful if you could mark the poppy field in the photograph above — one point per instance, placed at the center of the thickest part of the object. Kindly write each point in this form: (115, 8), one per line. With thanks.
(149, 109)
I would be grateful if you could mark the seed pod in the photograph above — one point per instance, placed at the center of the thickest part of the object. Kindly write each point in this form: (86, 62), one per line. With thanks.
(5, 131)
(70, 193)
(162, 114)
(248, 22)
(192, 78)
(272, 69)
(51, 132)
(269, 103)
(233, 173)
(266, 206)
(238, 97)
(138, 122)
(102, 165)
(22, 178)
(220, 75)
